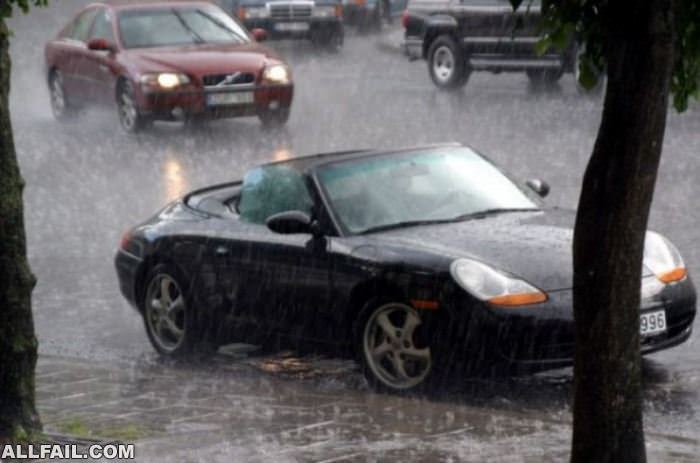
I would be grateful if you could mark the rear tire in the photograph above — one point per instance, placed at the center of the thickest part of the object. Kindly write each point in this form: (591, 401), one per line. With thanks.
(60, 106)
(447, 63)
(172, 324)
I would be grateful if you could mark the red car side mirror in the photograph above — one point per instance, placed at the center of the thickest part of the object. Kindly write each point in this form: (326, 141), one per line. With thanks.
(100, 45)
(260, 35)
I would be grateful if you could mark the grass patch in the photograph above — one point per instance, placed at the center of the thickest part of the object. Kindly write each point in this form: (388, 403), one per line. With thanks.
(126, 433)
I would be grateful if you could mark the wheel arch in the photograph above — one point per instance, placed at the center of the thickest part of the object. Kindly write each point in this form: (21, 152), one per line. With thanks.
(361, 298)
(438, 25)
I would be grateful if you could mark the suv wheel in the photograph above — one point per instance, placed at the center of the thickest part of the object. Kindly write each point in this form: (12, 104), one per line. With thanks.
(447, 63)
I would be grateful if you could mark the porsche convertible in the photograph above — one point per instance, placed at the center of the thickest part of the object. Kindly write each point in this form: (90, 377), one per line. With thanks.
(418, 261)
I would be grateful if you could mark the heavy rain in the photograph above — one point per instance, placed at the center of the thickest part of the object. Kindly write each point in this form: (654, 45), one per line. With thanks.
(87, 182)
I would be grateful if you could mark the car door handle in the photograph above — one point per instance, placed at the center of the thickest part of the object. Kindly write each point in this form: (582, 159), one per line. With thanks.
(221, 251)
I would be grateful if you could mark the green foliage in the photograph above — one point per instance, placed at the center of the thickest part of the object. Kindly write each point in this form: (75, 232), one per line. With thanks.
(6, 6)
(584, 22)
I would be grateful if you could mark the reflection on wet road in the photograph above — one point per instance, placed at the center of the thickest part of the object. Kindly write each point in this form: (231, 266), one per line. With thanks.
(87, 182)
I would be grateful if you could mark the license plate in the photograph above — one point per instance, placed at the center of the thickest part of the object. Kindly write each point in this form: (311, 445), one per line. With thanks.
(652, 323)
(233, 98)
(292, 27)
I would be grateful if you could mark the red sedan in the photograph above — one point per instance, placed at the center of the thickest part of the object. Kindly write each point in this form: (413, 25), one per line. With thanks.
(166, 61)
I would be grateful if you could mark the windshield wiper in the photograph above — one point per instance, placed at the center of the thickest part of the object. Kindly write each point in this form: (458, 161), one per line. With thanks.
(490, 212)
(220, 25)
(407, 223)
(196, 37)
(459, 218)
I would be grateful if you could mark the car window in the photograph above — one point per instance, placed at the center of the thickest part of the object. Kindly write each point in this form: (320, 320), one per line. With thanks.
(102, 29)
(82, 25)
(368, 193)
(179, 26)
(272, 189)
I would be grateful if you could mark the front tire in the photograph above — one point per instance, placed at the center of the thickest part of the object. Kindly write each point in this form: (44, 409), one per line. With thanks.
(132, 121)
(393, 350)
(168, 313)
(447, 64)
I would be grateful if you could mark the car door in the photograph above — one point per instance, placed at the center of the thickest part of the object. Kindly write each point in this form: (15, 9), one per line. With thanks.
(288, 275)
(100, 67)
(75, 79)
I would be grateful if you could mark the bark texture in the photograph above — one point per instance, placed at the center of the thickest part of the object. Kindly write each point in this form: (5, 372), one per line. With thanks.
(18, 344)
(616, 196)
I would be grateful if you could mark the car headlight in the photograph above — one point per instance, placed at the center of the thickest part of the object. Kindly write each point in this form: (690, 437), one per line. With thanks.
(326, 11)
(277, 74)
(253, 12)
(489, 285)
(164, 80)
(662, 258)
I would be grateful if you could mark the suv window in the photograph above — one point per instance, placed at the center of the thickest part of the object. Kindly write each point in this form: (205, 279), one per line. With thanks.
(269, 190)
(102, 29)
(82, 24)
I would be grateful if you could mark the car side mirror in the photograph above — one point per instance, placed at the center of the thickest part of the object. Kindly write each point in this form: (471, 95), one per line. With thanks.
(100, 45)
(291, 222)
(538, 186)
(260, 35)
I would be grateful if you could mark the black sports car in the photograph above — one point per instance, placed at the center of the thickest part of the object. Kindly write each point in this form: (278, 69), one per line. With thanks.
(413, 259)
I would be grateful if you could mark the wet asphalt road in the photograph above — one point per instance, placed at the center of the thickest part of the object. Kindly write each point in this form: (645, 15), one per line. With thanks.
(87, 182)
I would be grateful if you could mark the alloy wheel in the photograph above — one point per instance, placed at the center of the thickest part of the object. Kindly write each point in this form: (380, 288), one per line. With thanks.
(165, 312)
(443, 64)
(393, 351)
(128, 113)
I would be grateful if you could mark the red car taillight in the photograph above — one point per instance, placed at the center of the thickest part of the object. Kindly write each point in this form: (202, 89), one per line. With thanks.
(124, 242)
(404, 19)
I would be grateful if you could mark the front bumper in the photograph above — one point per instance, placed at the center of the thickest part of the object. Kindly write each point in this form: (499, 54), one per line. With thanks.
(542, 336)
(171, 105)
(297, 28)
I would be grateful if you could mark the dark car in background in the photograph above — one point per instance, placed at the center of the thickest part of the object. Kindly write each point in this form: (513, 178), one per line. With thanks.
(165, 61)
(419, 261)
(320, 21)
(458, 37)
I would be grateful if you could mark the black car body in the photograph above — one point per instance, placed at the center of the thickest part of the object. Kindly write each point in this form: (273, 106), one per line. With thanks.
(493, 284)
(458, 37)
(320, 21)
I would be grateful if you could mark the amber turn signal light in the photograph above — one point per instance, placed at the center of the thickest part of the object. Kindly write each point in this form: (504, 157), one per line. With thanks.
(515, 300)
(676, 274)
(425, 305)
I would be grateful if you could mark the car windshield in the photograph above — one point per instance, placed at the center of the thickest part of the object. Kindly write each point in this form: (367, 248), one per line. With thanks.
(143, 28)
(404, 189)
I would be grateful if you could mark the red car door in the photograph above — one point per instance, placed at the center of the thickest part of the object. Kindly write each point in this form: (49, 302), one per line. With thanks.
(100, 66)
(71, 63)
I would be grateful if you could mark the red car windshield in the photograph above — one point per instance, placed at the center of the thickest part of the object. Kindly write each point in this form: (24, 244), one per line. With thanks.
(162, 27)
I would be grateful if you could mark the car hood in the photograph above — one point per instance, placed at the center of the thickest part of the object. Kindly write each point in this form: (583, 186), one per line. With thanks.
(535, 245)
(204, 59)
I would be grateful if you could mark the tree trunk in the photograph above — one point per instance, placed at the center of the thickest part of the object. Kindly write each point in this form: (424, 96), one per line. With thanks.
(616, 195)
(18, 344)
